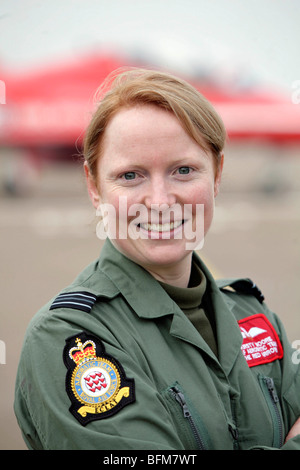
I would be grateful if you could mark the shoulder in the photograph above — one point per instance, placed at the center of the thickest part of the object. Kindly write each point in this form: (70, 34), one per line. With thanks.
(245, 299)
(91, 285)
(74, 303)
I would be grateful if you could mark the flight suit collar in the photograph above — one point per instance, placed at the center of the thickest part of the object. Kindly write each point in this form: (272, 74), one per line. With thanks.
(146, 296)
(128, 278)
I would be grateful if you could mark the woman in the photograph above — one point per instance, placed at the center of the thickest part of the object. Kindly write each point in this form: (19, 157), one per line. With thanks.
(145, 350)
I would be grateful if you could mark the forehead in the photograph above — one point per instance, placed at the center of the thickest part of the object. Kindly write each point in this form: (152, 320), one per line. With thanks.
(143, 119)
(145, 125)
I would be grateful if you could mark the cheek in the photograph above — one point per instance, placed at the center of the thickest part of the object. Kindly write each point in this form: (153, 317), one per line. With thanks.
(203, 193)
(202, 216)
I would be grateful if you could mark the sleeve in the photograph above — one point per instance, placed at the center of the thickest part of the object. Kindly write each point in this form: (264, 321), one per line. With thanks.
(47, 416)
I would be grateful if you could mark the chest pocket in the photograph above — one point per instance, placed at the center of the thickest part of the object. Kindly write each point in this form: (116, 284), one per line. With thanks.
(268, 388)
(188, 424)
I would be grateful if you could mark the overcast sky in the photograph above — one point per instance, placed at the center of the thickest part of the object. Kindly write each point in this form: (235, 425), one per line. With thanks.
(259, 37)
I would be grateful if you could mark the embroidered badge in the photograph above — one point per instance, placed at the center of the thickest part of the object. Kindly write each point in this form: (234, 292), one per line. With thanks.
(95, 382)
(260, 340)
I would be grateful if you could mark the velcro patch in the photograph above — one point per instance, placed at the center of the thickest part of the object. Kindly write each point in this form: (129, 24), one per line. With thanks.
(260, 340)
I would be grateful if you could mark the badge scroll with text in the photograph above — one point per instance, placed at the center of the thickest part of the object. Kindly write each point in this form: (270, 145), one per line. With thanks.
(96, 382)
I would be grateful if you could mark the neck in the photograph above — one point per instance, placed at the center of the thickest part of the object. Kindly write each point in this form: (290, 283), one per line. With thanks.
(178, 275)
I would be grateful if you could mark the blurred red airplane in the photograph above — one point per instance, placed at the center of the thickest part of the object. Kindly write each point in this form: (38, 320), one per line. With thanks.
(52, 106)
(256, 113)
(44, 112)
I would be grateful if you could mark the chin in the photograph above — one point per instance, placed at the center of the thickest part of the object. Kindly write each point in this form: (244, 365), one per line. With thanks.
(154, 252)
(164, 255)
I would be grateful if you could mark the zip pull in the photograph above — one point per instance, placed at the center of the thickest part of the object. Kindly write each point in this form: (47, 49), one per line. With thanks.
(271, 388)
(181, 400)
(233, 431)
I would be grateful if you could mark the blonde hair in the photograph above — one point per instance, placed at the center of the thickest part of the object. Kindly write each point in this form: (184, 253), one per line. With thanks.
(141, 87)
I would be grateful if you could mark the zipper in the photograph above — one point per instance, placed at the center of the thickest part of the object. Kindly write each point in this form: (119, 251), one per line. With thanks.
(268, 387)
(180, 398)
(232, 426)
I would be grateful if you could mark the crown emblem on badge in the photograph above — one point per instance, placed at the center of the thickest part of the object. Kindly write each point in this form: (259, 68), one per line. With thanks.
(82, 351)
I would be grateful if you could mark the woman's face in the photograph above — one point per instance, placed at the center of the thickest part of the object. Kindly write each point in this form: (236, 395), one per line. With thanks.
(153, 176)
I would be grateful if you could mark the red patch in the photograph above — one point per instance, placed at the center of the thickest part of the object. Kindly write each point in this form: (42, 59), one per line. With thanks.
(260, 340)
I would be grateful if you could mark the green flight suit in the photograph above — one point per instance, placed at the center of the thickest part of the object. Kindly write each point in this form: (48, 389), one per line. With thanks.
(165, 388)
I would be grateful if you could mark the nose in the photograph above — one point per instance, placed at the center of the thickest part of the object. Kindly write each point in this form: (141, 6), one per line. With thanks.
(160, 194)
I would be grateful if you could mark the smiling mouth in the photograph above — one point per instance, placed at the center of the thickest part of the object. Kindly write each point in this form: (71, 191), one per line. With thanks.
(167, 227)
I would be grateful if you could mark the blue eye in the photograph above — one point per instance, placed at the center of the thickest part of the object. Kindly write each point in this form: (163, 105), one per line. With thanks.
(130, 175)
(184, 170)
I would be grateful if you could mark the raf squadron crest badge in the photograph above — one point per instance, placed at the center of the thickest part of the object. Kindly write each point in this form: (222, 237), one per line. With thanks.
(95, 382)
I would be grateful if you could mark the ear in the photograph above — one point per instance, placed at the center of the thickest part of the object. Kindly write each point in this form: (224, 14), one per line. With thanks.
(218, 176)
(91, 186)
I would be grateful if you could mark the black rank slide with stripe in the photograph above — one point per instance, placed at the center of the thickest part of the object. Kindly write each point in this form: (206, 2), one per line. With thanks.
(247, 286)
(76, 300)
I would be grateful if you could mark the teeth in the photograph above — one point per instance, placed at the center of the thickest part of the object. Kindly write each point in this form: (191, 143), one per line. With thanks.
(161, 227)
